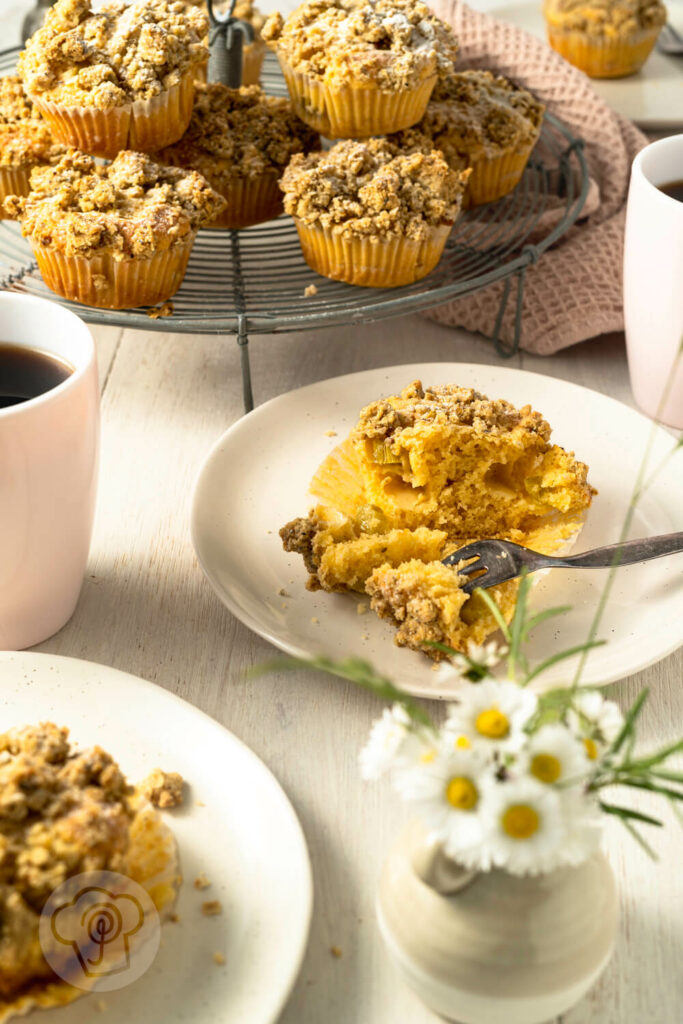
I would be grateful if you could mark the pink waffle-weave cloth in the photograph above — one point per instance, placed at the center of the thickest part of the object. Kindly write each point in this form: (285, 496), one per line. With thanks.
(574, 291)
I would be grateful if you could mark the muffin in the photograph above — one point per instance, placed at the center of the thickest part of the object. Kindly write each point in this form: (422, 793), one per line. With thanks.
(253, 52)
(369, 214)
(66, 814)
(115, 236)
(120, 78)
(25, 140)
(485, 122)
(604, 38)
(356, 68)
(241, 141)
(422, 474)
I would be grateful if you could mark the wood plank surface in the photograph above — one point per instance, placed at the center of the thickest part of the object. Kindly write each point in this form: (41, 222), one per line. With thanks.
(147, 609)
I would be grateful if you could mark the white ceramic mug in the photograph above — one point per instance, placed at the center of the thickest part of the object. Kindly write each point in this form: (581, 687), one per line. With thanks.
(49, 449)
(653, 281)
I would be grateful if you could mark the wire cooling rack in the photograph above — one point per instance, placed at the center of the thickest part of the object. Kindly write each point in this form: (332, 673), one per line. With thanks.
(253, 281)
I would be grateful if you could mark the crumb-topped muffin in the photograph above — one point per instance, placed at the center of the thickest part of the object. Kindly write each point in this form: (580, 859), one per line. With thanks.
(65, 813)
(121, 77)
(241, 141)
(486, 122)
(356, 68)
(114, 236)
(604, 38)
(368, 213)
(422, 474)
(25, 139)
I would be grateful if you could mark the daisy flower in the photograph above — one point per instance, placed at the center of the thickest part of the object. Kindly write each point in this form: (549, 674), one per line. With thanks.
(554, 755)
(492, 715)
(596, 720)
(448, 792)
(524, 826)
(391, 743)
(480, 659)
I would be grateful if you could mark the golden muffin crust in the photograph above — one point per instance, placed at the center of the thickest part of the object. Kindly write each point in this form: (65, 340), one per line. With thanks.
(25, 139)
(132, 207)
(239, 133)
(372, 189)
(61, 813)
(475, 113)
(121, 53)
(394, 44)
(602, 18)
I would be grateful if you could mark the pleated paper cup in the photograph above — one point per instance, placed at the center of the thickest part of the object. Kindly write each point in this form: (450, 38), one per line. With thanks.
(493, 178)
(250, 201)
(14, 181)
(252, 62)
(385, 263)
(604, 58)
(107, 283)
(144, 125)
(355, 111)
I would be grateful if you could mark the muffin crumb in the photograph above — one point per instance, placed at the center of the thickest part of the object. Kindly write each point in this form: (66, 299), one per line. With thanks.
(163, 789)
(211, 908)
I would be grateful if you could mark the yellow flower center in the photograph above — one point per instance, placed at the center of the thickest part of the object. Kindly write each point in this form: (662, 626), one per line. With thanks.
(591, 748)
(546, 768)
(461, 793)
(492, 723)
(462, 743)
(520, 821)
(428, 756)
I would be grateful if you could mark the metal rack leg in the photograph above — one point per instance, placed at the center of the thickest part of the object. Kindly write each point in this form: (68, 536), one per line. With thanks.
(507, 351)
(243, 342)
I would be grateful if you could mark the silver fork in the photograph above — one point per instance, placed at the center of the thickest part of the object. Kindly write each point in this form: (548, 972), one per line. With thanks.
(670, 41)
(502, 560)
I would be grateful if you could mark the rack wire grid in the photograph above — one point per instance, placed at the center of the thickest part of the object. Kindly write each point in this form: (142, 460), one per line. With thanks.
(253, 281)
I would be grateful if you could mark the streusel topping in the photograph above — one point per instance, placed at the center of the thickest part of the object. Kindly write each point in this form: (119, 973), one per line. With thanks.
(373, 189)
(394, 44)
(109, 58)
(132, 207)
(25, 138)
(475, 113)
(446, 404)
(239, 133)
(605, 17)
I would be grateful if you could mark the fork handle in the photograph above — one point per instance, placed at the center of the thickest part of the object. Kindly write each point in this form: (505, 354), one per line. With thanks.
(623, 554)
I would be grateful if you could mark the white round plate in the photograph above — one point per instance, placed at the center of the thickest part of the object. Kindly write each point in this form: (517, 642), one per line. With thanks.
(256, 479)
(653, 98)
(237, 826)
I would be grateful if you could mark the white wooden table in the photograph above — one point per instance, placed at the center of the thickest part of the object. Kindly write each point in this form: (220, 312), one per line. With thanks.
(146, 608)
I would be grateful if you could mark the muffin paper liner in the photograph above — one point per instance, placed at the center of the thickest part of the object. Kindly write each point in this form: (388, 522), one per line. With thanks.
(386, 263)
(14, 181)
(606, 58)
(144, 125)
(107, 283)
(491, 179)
(355, 111)
(250, 201)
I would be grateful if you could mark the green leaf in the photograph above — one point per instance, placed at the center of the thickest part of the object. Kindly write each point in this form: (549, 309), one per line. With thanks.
(516, 656)
(673, 794)
(640, 839)
(656, 758)
(495, 611)
(667, 776)
(569, 653)
(536, 620)
(629, 721)
(627, 812)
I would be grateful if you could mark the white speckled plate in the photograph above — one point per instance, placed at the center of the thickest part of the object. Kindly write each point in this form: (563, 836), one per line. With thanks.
(256, 479)
(653, 98)
(238, 827)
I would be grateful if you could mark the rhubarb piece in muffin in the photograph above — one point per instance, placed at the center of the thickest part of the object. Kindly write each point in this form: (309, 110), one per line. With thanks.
(66, 813)
(241, 141)
(25, 140)
(115, 236)
(485, 122)
(604, 38)
(121, 77)
(370, 214)
(356, 68)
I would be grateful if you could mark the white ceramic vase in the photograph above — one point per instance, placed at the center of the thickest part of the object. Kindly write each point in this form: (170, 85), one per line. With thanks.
(492, 948)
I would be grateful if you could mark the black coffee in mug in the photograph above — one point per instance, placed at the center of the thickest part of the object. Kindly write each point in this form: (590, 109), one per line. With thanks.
(26, 373)
(674, 189)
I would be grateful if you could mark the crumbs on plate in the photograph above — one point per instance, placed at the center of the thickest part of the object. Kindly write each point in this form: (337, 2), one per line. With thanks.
(210, 908)
(201, 881)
